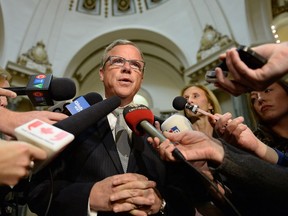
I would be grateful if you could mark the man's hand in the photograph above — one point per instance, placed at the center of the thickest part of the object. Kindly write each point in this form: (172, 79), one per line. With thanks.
(129, 192)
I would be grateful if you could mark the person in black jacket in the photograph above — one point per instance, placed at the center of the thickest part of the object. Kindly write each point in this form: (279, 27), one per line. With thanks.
(88, 177)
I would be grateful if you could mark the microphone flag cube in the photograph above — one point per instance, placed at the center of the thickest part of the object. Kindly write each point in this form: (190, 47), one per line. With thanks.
(45, 136)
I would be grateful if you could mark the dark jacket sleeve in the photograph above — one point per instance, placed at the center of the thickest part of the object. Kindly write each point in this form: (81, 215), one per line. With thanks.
(257, 186)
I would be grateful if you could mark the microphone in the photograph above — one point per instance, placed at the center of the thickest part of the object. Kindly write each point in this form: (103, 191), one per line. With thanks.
(176, 123)
(54, 138)
(140, 120)
(81, 103)
(180, 103)
(81, 121)
(42, 89)
(78, 104)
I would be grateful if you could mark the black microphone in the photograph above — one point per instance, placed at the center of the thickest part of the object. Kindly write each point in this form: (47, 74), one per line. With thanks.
(180, 103)
(140, 120)
(77, 123)
(43, 89)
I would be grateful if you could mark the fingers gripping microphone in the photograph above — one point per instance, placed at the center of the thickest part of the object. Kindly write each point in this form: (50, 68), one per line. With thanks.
(43, 89)
(54, 138)
(140, 120)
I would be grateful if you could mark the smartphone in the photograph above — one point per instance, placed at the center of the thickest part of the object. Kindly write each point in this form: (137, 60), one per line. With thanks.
(252, 59)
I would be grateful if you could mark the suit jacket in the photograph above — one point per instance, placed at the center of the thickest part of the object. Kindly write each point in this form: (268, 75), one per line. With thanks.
(90, 158)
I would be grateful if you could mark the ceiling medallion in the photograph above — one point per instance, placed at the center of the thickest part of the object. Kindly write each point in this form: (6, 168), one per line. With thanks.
(117, 7)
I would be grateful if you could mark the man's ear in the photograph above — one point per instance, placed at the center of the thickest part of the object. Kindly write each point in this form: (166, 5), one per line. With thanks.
(101, 74)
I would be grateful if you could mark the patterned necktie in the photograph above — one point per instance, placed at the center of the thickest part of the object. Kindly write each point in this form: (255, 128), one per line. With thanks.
(122, 139)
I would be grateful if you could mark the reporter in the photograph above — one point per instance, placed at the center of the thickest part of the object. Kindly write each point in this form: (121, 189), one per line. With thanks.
(245, 79)
(258, 187)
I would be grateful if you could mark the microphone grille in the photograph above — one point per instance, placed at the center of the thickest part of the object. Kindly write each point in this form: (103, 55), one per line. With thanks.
(179, 103)
(93, 98)
(62, 89)
(135, 114)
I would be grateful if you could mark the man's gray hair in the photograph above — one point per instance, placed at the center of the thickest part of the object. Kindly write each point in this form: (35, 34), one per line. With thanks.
(116, 43)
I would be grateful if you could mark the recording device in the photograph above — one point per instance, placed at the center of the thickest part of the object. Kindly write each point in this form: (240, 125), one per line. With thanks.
(180, 103)
(252, 59)
(140, 120)
(54, 138)
(78, 104)
(176, 123)
(43, 89)
(79, 122)
(81, 103)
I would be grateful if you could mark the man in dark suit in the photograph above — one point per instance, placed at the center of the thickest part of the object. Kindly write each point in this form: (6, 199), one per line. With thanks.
(90, 177)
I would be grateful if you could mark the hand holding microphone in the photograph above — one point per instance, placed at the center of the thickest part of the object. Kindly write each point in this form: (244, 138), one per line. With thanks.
(180, 103)
(140, 120)
(15, 160)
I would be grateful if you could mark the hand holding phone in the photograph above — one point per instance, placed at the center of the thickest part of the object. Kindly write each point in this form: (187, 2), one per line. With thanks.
(252, 59)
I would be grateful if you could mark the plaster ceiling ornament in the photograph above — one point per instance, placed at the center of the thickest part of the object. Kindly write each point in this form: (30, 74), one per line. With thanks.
(123, 5)
(36, 58)
(89, 4)
(116, 7)
(211, 42)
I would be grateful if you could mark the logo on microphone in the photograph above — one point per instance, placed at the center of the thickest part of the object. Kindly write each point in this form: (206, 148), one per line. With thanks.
(39, 81)
(174, 129)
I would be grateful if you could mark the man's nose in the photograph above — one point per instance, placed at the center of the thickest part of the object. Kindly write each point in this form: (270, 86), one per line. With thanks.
(126, 67)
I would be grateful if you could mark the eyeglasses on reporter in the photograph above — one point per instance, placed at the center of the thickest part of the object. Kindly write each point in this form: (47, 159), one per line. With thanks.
(136, 65)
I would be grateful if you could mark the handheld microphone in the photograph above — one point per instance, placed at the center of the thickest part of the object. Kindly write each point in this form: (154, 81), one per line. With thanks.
(180, 103)
(81, 103)
(42, 89)
(81, 121)
(140, 120)
(176, 123)
(53, 138)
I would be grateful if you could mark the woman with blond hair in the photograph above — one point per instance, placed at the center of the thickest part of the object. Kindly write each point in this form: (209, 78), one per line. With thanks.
(206, 100)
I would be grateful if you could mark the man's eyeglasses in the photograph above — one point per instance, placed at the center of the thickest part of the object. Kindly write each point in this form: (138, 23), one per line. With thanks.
(136, 65)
